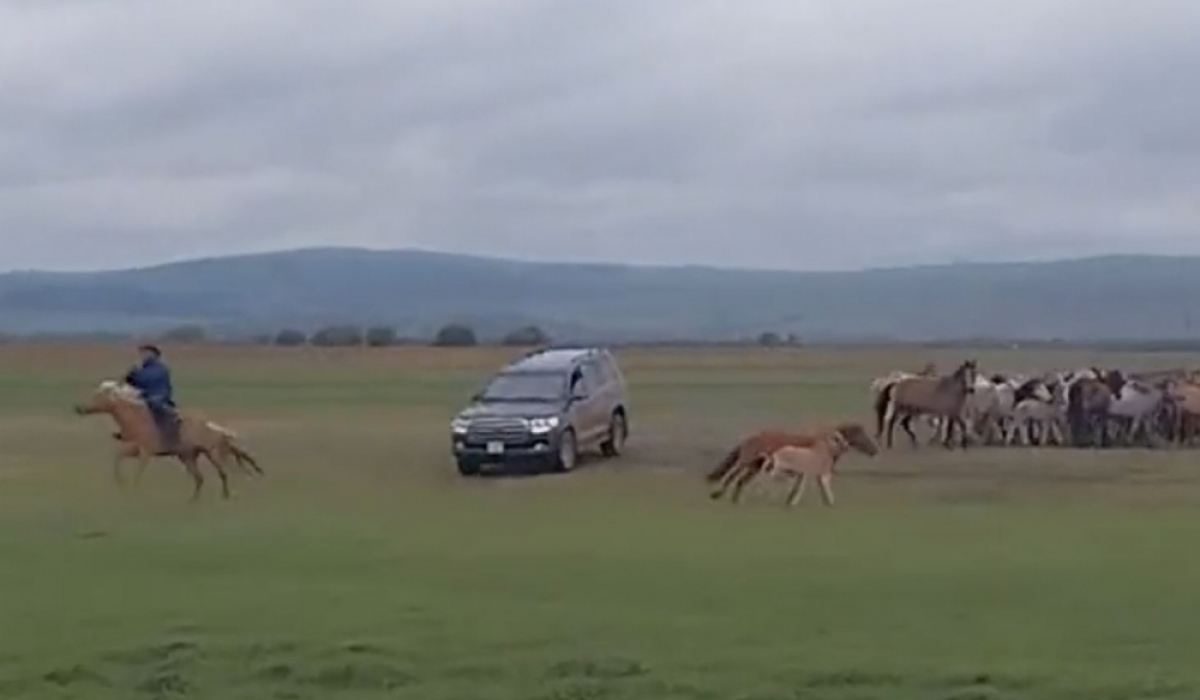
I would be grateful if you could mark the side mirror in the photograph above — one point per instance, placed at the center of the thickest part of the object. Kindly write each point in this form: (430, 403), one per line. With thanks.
(578, 394)
(477, 397)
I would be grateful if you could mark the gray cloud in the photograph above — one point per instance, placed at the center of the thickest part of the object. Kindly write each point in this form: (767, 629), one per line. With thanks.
(781, 133)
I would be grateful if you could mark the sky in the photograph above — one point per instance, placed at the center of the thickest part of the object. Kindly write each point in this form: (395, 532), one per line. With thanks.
(801, 134)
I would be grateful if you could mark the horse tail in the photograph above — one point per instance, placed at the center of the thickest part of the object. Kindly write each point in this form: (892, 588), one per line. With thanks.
(244, 458)
(229, 445)
(882, 399)
(727, 463)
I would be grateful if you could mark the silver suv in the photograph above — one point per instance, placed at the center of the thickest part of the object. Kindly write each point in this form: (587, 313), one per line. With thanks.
(546, 408)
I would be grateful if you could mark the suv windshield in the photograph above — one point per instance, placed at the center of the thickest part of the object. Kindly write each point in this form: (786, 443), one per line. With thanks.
(525, 386)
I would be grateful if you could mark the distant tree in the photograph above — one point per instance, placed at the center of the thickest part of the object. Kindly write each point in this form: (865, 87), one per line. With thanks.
(381, 336)
(186, 334)
(291, 337)
(455, 335)
(769, 339)
(526, 336)
(338, 336)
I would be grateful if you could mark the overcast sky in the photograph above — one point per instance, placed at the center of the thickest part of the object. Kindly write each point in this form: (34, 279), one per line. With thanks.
(807, 134)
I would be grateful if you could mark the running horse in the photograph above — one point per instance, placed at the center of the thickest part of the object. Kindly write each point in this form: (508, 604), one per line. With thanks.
(138, 437)
(744, 462)
(940, 397)
(819, 460)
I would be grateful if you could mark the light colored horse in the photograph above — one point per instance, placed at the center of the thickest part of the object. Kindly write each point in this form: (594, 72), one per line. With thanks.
(1136, 406)
(797, 463)
(139, 437)
(942, 397)
(1186, 397)
(989, 407)
(1049, 417)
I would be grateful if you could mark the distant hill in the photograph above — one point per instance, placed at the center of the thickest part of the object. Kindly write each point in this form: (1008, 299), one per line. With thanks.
(1112, 297)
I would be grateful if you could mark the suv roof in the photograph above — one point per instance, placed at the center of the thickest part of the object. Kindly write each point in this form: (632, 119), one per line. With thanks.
(552, 360)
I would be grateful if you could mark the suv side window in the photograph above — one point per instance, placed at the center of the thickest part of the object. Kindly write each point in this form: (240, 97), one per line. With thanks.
(606, 369)
(593, 376)
(580, 379)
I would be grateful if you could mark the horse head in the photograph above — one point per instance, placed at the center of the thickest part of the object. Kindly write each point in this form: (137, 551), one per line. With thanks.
(107, 397)
(836, 443)
(966, 374)
(856, 437)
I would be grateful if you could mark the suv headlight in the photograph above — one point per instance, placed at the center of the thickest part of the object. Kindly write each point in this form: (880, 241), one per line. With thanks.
(541, 426)
(459, 426)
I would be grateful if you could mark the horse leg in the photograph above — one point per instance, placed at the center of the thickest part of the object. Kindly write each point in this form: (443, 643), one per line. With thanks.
(192, 464)
(120, 453)
(1014, 432)
(143, 460)
(906, 423)
(962, 431)
(951, 422)
(825, 481)
(937, 425)
(748, 473)
(891, 427)
(218, 462)
(797, 489)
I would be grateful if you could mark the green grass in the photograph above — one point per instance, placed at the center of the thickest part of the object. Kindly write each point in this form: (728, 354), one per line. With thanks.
(362, 566)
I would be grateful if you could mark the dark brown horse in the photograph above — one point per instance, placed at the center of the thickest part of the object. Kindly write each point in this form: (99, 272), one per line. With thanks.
(940, 397)
(1088, 400)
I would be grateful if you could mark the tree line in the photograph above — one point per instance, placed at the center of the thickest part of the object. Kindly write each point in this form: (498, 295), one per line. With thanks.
(351, 335)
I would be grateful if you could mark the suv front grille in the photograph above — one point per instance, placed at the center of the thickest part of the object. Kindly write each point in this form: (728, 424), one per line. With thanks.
(508, 430)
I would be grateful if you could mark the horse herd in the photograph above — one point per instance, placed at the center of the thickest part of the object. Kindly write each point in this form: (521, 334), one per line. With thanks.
(1090, 407)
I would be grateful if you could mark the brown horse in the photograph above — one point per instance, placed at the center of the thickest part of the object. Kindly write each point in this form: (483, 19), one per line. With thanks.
(940, 397)
(1088, 401)
(741, 464)
(139, 437)
(819, 460)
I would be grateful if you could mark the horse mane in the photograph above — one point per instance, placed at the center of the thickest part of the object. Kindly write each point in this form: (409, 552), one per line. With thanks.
(120, 391)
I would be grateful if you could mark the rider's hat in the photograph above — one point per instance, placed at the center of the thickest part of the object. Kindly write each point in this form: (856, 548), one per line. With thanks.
(149, 347)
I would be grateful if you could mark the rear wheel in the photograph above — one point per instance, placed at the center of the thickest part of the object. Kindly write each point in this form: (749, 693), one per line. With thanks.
(618, 432)
(568, 452)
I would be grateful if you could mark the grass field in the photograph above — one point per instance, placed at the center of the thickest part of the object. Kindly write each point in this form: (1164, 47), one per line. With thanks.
(363, 566)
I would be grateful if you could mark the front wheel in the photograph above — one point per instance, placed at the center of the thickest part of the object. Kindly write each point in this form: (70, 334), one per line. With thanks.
(468, 467)
(618, 432)
(568, 452)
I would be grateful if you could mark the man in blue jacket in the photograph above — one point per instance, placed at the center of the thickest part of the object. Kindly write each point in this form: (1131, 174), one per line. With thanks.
(153, 379)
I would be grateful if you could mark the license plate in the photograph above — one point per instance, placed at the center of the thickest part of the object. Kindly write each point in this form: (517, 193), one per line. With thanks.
(495, 448)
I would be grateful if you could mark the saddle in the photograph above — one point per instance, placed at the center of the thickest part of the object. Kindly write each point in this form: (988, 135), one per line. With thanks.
(169, 424)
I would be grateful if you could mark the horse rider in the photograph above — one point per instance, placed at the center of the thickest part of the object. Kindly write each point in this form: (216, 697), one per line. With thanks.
(153, 379)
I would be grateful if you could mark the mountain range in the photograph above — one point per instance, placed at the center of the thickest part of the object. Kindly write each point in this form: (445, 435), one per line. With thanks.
(1100, 298)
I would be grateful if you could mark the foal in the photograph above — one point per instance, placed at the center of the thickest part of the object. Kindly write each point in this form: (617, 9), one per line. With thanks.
(817, 460)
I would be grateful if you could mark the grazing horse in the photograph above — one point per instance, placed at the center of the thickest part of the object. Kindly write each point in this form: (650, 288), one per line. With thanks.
(817, 460)
(742, 463)
(943, 397)
(139, 437)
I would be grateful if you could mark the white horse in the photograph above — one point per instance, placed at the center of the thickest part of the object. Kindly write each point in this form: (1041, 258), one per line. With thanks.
(1049, 416)
(1135, 407)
